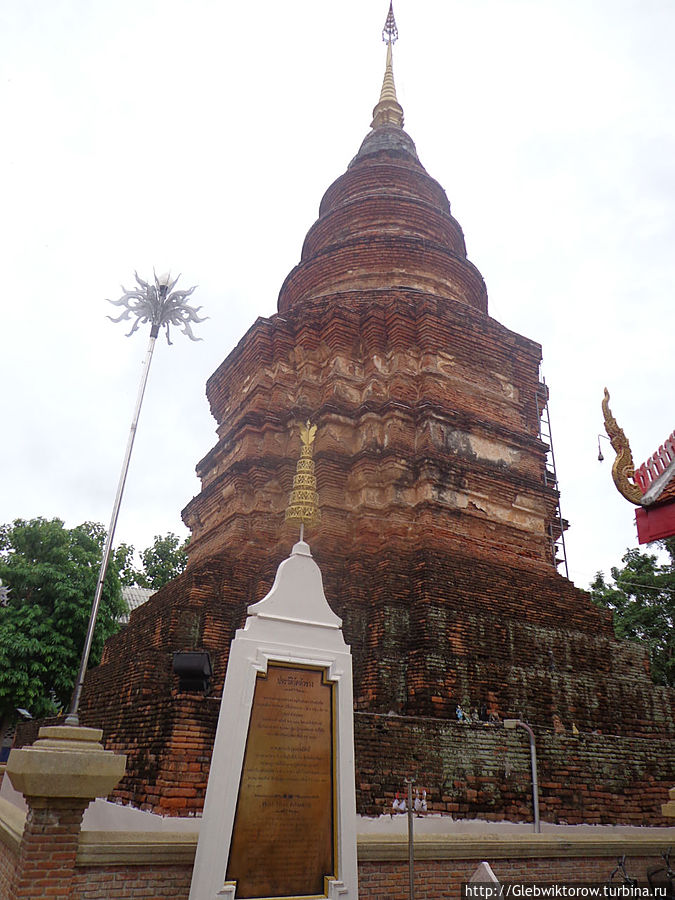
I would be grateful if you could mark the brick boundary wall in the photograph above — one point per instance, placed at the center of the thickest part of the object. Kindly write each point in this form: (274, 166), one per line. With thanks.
(443, 879)
(379, 879)
(134, 866)
(12, 822)
(7, 867)
(481, 771)
(140, 882)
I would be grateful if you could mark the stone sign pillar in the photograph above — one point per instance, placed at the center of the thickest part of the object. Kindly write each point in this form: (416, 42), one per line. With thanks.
(59, 775)
(279, 816)
(668, 809)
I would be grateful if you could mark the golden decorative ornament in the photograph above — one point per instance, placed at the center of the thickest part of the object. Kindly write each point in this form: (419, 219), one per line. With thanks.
(388, 110)
(623, 470)
(304, 502)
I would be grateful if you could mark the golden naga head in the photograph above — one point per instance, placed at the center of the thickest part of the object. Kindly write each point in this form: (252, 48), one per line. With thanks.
(623, 469)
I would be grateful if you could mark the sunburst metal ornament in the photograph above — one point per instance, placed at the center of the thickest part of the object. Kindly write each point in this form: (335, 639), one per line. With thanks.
(160, 306)
(303, 505)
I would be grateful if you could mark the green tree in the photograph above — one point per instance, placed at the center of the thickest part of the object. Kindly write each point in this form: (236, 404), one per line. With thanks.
(164, 560)
(123, 560)
(49, 576)
(642, 597)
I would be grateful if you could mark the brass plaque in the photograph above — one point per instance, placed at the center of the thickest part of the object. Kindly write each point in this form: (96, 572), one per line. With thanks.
(283, 836)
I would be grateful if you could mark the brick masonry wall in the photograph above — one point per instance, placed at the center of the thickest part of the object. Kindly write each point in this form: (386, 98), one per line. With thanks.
(7, 866)
(167, 736)
(46, 861)
(141, 882)
(378, 880)
(443, 879)
(420, 404)
(427, 631)
(384, 219)
(482, 771)
(435, 879)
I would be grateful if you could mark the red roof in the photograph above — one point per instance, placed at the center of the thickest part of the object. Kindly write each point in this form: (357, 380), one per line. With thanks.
(656, 476)
(655, 518)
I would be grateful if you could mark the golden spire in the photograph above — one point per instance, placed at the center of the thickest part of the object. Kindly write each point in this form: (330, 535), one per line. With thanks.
(623, 470)
(388, 111)
(303, 506)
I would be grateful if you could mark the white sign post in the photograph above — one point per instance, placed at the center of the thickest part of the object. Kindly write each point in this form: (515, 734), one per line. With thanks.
(279, 815)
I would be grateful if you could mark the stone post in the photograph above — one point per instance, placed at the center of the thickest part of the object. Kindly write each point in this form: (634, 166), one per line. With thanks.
(63, 771)
(668, 809)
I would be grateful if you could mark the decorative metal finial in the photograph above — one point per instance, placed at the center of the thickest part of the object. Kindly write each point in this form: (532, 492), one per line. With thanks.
(623, 470)
(390, 31)
(388, 110)
(160, 305)
(303, 505)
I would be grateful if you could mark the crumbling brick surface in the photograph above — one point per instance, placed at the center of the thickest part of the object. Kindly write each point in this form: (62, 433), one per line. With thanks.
(483, 771)
(428, 418)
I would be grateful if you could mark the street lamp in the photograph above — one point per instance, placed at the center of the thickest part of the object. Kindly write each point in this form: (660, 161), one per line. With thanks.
(161, 306)
(516, 723)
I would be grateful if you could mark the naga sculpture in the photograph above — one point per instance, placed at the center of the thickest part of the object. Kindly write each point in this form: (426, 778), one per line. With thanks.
(623, 470)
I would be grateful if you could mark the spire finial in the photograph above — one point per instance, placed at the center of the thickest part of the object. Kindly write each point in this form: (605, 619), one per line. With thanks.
(390, 31)
(388, 111)
(303, 505)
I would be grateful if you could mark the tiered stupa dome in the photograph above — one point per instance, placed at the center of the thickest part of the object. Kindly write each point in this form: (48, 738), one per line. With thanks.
(428, 408)
(385, 223)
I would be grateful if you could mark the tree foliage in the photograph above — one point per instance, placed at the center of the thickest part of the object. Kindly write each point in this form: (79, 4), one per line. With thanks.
(50, 574)
(642, 597)
(164, 560)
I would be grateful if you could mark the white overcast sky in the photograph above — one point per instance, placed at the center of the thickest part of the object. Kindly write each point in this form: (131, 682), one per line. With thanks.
(200, 135)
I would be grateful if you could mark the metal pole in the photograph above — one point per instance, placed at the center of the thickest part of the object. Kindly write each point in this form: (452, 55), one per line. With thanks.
(73, 718)
(535, 784)
(515, 723)
(411, 841)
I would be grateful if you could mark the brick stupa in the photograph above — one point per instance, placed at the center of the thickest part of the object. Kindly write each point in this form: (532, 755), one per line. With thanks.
(434, 542)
